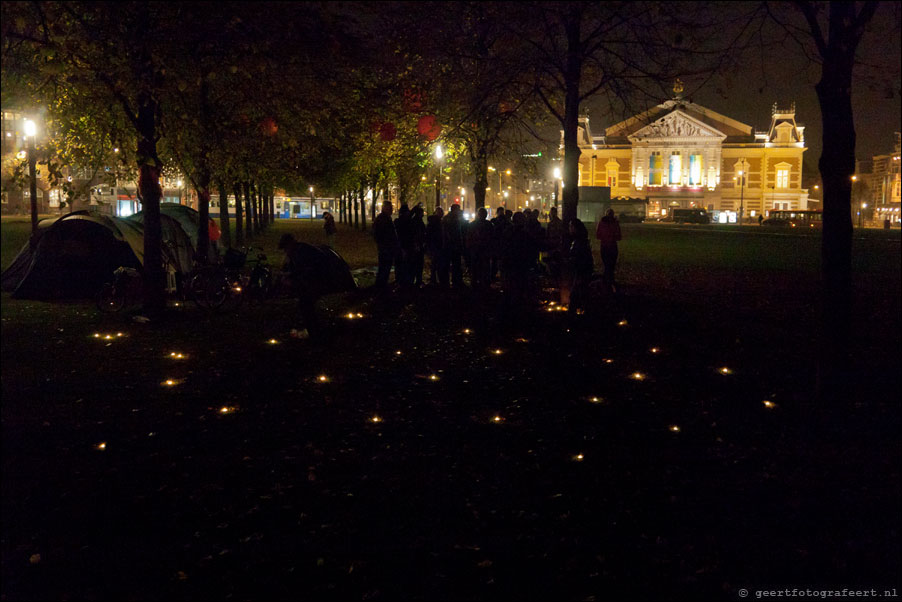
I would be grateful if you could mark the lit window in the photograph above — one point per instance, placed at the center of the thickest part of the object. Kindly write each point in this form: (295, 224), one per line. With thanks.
(655, 167)
(612, 167)
(676, 166)
(782, 178)
(695, 170)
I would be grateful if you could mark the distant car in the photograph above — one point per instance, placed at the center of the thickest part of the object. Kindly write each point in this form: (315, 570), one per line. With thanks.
(631, 218)
(690, 216)
(777, 222)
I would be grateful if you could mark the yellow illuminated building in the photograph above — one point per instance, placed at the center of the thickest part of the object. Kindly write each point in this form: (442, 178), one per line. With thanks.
(682, 155)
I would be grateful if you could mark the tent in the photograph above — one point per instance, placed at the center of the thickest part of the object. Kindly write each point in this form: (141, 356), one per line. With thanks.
(186, 217)
(74, 256)
(177, 246)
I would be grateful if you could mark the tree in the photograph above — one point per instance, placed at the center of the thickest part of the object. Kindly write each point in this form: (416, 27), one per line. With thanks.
(835, 30)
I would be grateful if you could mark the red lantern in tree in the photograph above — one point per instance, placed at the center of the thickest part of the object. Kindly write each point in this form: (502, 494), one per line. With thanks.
(269, 127)
(413, 101)
(388, 132)
(427, 126)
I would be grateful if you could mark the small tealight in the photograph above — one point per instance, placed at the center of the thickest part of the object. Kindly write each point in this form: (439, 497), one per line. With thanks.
(467, 331)
(322, 378)
(375, 419)
(398, 352)
(674, 428)
(96, 335)
(769, 404)
(654, 350)
(273, 342)
(170, 382)
(119, 334)
(594, 399)
(497, 351)
(608, 360)
(637, 376)
(100, 446)
(225, 410)
(578, 458)
(496, 418)
(725, 370)
(622, 323)
(433, 377)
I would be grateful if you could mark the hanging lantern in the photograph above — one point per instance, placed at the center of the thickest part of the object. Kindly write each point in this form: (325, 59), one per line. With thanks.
(388, 132)
(413, 101)
(427, 126)
(269, 126)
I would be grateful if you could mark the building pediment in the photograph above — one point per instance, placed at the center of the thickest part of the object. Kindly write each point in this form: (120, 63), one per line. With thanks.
(675, 126)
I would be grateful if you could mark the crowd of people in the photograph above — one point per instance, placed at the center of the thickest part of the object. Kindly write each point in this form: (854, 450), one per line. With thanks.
(510, 247)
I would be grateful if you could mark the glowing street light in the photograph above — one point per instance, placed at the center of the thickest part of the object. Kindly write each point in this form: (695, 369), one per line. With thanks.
(31, 132)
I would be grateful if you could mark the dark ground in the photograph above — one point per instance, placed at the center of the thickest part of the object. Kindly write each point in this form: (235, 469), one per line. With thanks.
(297, 494)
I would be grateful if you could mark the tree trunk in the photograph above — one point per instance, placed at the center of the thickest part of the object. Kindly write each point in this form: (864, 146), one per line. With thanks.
(363, 207)
(837, 165)
(224, 223)
(355, 201)
(149, 169)
(249, 208)
(239, 217)
(571, 117)
(480, 169)
(33, 191)
(255, 207)
(203, 221)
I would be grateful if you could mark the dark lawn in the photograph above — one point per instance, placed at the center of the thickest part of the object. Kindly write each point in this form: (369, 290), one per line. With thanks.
(295, 492)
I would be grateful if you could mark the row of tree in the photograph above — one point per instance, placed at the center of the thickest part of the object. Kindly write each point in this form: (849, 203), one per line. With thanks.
(247, 97)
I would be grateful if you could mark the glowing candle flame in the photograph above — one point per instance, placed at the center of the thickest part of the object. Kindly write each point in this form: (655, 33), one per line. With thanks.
(101, 446)
(398, 352)
(726, 370)
(596, 399)
(637, 376)
(497, 418)
(375, 419)
(608, 360)
(578, 457)
(654, 350)
(769, 404)
(272, 341)
(622, 323)
(433, 377)
(674, 428)
(225, 410)
(322, 378)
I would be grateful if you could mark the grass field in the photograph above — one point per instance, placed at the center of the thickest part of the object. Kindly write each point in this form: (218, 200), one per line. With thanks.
(448, 446)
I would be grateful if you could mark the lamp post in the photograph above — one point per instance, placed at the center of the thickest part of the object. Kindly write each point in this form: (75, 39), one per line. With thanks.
(312, 200)
(438, 177)
(31, 132)
(855, 179)
(557, 193)
(741, 197)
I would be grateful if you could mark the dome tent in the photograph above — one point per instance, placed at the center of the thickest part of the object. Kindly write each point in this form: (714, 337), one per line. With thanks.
(74, 256)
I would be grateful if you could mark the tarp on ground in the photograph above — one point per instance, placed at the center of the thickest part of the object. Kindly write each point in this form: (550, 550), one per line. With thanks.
(74, 256)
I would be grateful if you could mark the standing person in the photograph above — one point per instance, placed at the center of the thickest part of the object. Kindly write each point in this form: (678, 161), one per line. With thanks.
(608, 233)
(386, 242)
(329, 228)
(404, 229)
(434, 246)
(760, 218)
(515, 257)
(536, 236)
(301, 261)
(419, 244)
(553, 240)
(581, 265)
(480, 235)
(500, 223)
(453, 243)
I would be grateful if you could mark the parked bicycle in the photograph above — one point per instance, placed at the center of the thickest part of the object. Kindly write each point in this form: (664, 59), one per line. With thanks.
(229, 284)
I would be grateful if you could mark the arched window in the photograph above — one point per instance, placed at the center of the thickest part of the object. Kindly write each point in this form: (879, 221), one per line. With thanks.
(655, 169)
(676, 168)
(781, 175)
(612, 168)
(695, 170)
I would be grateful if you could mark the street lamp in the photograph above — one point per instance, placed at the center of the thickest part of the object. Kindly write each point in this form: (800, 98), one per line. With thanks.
(312, 200)
(31, 132)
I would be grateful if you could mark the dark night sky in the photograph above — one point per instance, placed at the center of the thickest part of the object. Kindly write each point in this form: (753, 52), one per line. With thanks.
(783, 75)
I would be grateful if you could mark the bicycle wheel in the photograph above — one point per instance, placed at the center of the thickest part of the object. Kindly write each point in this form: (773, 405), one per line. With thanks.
(111, 298)
(209, 289)
(260, 285)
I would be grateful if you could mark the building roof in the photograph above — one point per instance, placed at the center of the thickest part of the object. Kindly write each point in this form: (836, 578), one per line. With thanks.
(733, 130)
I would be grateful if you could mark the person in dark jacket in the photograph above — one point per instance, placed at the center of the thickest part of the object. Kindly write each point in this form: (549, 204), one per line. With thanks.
(500, 223)
(404, 257)
(419, 244)
(480, 235)
(434, 247)
(330, 229)
(515, 256)
(453, 243)
(608, 233)
(579, 259)
(536, 236)
(386, 242)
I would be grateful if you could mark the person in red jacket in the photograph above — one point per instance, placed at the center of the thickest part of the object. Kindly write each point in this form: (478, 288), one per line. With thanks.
(608, 233)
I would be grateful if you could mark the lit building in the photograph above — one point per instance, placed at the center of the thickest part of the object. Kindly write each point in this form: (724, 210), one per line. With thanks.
(683, 155)
(885, 186)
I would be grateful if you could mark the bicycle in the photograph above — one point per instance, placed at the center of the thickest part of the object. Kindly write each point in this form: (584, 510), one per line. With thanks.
(127, 286)
(228, 284)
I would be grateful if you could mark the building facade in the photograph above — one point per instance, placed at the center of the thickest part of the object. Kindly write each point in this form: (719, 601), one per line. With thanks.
(682, 155)
(885, 185)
